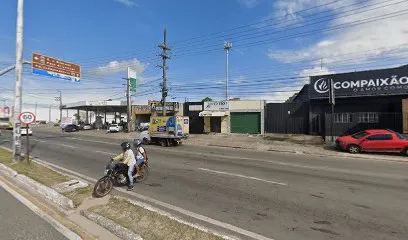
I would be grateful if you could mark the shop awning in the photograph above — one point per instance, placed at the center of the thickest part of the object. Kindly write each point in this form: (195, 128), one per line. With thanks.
(212, 114)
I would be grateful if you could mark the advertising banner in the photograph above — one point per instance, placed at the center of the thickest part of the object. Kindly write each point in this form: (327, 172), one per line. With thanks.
(393, 81)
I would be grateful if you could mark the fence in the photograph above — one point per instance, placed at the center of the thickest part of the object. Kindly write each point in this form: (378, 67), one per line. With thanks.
(347, 123)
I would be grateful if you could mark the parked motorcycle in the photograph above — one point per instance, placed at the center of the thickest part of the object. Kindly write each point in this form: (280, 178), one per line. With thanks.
(116, 174)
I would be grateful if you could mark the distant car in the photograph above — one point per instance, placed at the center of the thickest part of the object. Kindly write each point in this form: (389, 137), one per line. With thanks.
(87, 127)
(71, 128)
(374, 140)
(24, 130)
(114, 128)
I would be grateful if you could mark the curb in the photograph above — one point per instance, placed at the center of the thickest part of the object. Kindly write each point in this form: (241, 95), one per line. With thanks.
(38, 188)
(58, 226)
(113, 227)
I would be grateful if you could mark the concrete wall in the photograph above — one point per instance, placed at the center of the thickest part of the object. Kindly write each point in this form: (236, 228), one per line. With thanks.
(207, 124)
(225, 124)
(247, 106)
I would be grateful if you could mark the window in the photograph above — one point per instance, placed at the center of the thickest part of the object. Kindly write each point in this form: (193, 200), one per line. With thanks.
(368, 117)
(379, 137)
(359, 135)
(343, 118)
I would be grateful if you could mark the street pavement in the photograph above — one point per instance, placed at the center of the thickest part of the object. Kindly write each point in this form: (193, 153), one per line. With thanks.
(18, 222)
(277, 195)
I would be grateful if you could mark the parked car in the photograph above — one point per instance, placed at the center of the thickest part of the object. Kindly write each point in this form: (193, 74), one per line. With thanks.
(71, 128)
(24, 130)
(87, 127)
(115, 128)
(374, 140)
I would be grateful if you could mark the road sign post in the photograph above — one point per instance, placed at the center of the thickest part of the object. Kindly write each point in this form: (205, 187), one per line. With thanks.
(52, 67)
(27, 118)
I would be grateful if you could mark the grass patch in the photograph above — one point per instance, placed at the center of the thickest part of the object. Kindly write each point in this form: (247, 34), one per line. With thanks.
(78, 195)
(34, 171)
(149, 225)
(45, 176)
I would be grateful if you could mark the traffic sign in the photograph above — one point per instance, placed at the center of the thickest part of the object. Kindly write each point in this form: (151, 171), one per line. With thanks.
(52, 67)
(26, 117)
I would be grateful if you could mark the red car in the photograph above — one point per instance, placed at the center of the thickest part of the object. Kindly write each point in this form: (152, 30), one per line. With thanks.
(373, 140)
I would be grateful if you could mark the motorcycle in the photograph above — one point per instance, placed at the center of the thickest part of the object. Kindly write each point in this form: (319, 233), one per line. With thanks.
(116, 174)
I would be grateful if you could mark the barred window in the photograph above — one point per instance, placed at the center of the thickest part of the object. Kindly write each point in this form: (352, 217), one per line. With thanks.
(368, 117)
(343, 118)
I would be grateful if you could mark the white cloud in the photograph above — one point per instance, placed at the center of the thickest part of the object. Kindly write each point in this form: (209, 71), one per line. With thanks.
(120, 66)
(250, 3)
(354, 44)
(127, 3)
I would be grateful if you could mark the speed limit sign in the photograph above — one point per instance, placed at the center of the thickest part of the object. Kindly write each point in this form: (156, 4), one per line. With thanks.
(26, 117)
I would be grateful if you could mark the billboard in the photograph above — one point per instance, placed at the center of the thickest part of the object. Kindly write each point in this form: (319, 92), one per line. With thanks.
(393, 81)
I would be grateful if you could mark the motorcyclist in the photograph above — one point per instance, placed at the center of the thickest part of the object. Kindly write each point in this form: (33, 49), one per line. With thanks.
(128, 158)
(140, 155)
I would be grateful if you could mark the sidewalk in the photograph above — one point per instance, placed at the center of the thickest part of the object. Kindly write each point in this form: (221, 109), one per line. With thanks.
(307, 145)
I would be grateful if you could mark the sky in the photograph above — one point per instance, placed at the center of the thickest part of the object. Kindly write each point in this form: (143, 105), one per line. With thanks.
(276, 46)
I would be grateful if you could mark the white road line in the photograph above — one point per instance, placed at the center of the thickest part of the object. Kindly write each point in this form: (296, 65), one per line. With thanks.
(242, 176)
(68, 146)
(166, 205)
(105, 152)
(38, 140)
(81, 139)
(54, 223)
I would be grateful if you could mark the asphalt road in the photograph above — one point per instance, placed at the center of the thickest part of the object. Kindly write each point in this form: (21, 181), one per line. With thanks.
(280, 196)
(19, 222)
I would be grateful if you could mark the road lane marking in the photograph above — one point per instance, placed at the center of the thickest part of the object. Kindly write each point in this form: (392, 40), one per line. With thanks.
(68, 146)
(242, 176)
(324, 168)
(105, 152)
(81, 139)
(38, 140)
(164, 205)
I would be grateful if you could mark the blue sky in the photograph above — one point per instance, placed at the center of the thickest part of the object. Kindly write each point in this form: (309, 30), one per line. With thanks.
(276, 44)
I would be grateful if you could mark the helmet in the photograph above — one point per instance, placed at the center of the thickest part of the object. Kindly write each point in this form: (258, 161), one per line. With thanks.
(137, 143)
(125, 146)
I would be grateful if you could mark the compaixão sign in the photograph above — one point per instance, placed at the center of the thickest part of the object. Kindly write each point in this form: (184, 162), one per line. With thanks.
(392, 81)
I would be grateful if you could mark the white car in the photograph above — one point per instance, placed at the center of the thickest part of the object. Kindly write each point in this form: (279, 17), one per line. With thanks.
(24, 130)
(114, 128)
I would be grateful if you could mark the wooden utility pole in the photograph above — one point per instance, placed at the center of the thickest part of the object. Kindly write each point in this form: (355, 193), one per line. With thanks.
(164, 67)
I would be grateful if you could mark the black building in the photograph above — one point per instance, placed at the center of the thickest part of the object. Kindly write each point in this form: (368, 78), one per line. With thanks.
(362, 100)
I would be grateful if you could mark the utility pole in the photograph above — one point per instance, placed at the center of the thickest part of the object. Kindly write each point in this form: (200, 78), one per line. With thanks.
(129, 105)
(19, 77)
(164, 67)
(227, 47)
(49, 114)
(60, 104)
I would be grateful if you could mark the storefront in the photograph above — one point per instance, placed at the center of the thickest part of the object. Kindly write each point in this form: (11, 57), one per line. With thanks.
(216, 116)
(247, 116)
(362, 100)
(192, 110)
(141, 114)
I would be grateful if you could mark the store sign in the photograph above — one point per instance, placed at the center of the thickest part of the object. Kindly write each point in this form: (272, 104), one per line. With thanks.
(142, 109)
(216, 106)
(170, 106)
(392, 81)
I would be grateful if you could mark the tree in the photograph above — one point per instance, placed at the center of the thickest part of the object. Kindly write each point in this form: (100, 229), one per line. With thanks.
(207, 99)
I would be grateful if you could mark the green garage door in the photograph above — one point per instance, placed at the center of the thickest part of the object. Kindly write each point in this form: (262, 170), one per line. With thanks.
(249, 122)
